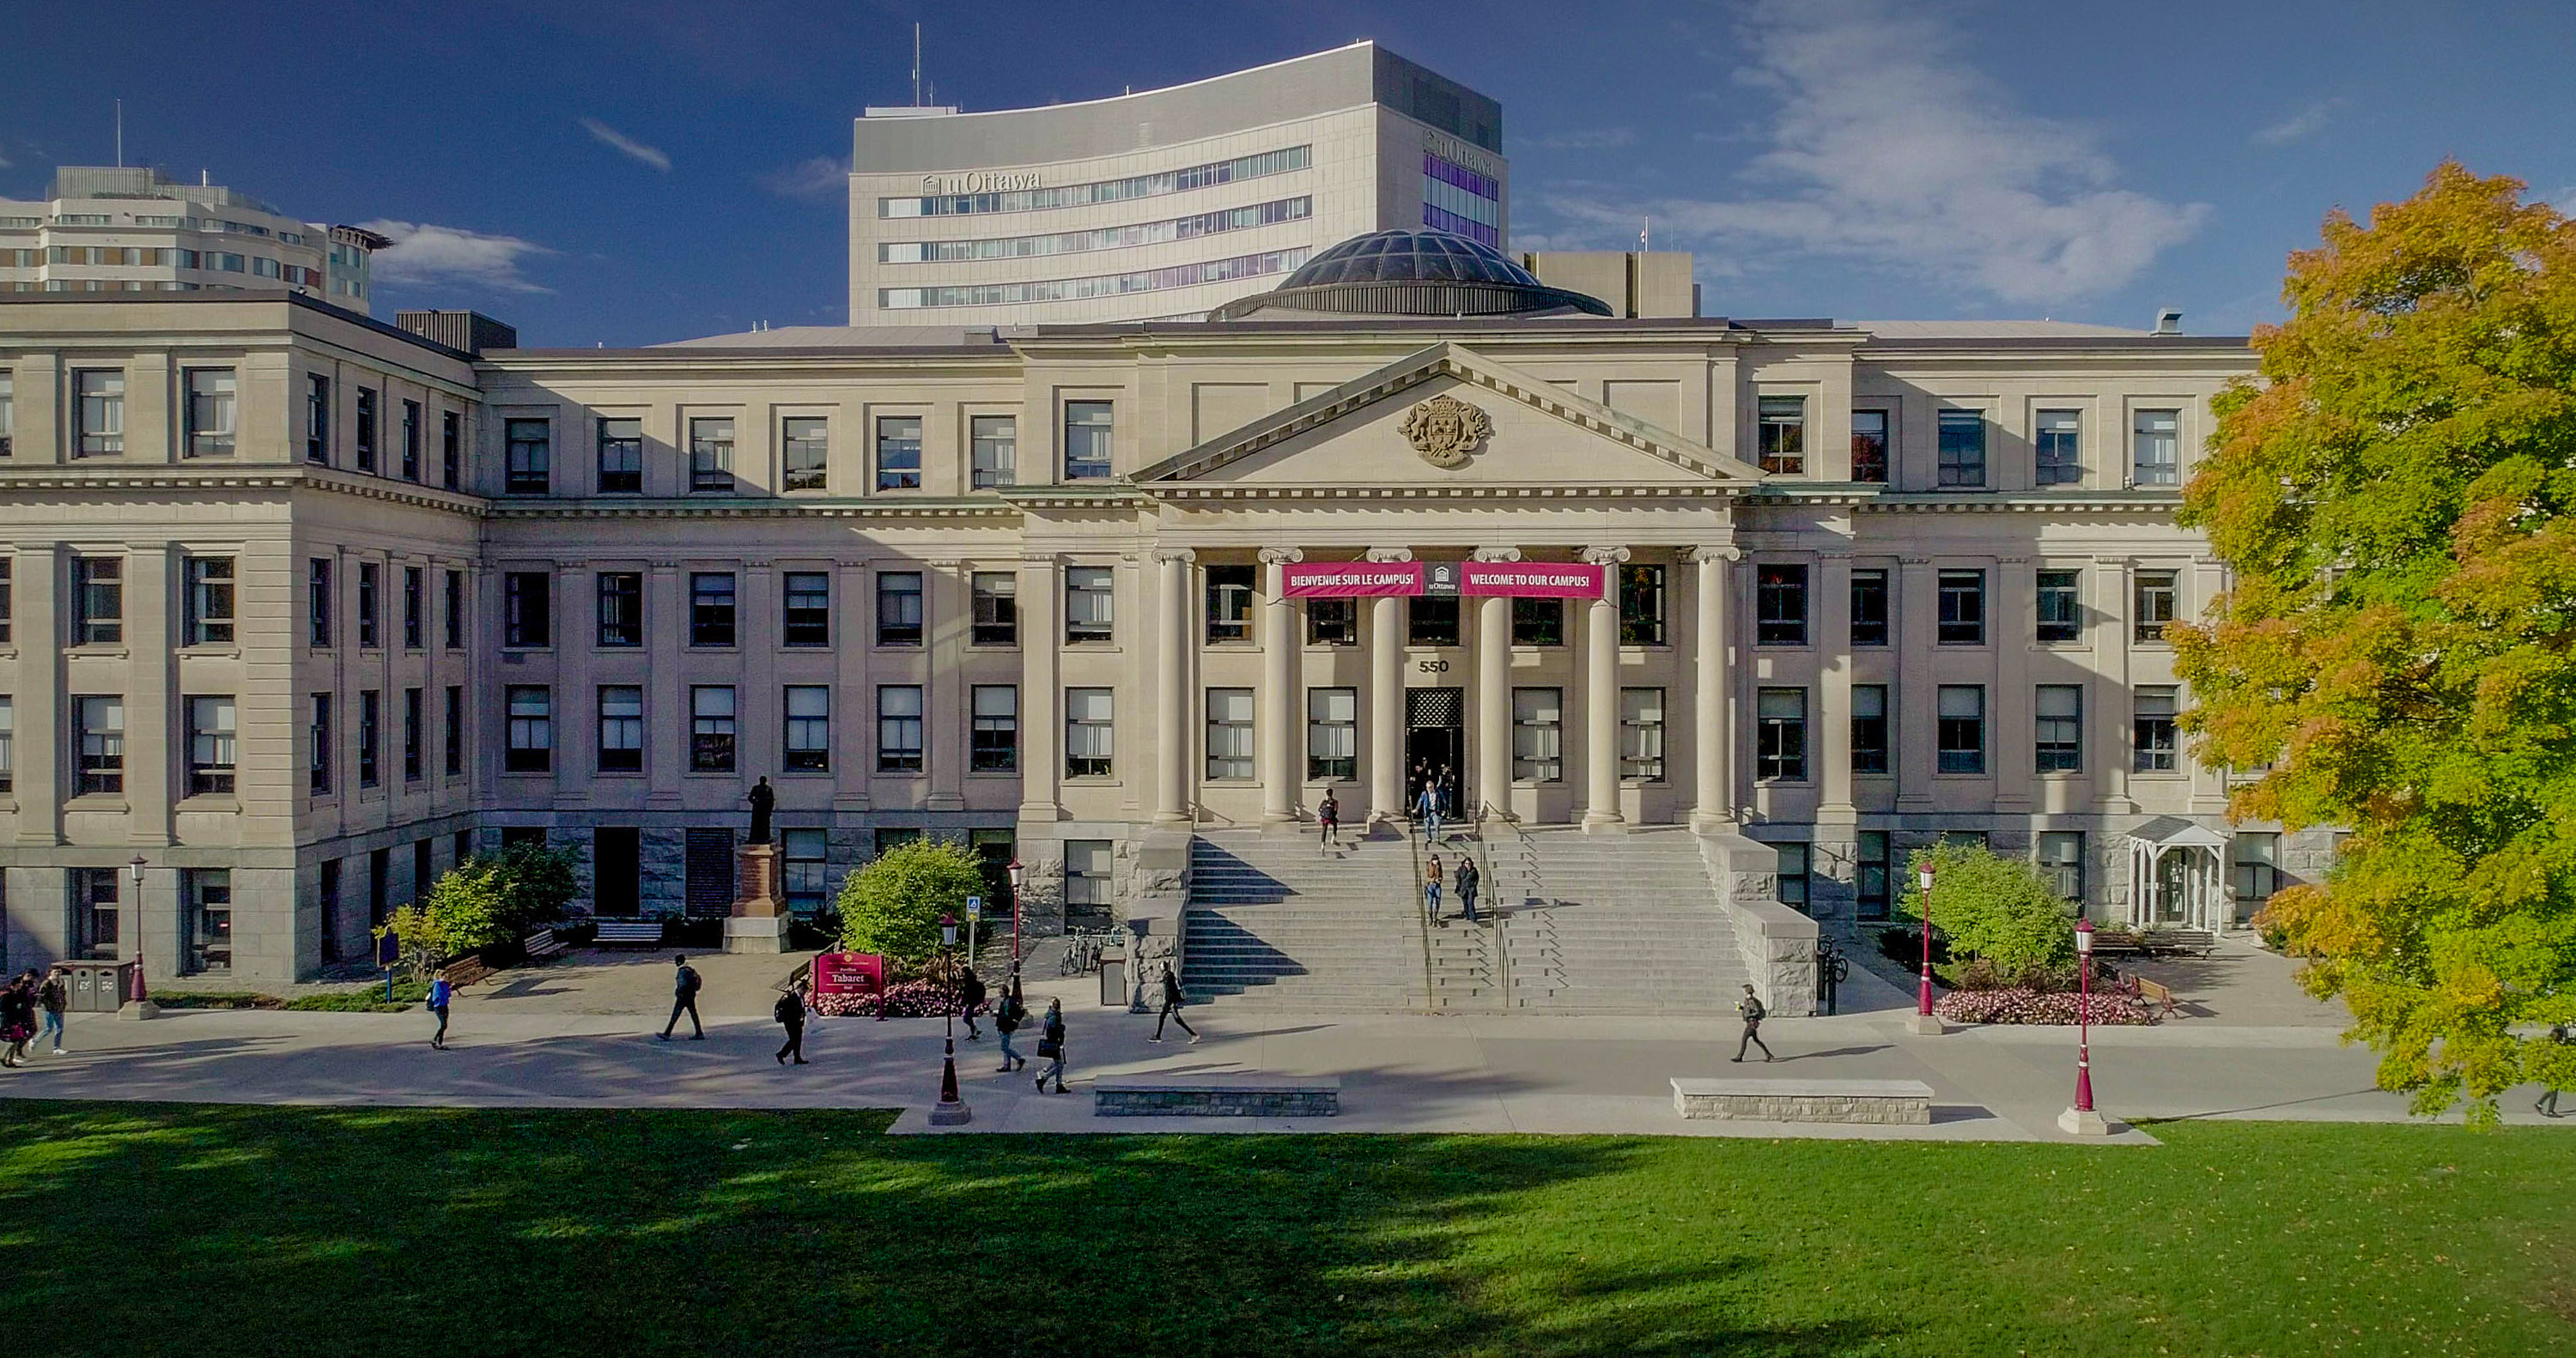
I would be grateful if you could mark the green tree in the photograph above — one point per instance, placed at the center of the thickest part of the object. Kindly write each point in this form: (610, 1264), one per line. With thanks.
(892, 906)
(2398, 647)
(2003, 910)
(534, 883)
(460, 913)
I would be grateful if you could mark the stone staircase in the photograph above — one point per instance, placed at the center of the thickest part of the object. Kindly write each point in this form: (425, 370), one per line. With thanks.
(1609, 924)
(1274, 923)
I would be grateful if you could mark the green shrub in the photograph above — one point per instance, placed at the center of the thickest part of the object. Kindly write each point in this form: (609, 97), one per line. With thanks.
(1997, 910)
(407, 995)
(215, 999)
(892, 906)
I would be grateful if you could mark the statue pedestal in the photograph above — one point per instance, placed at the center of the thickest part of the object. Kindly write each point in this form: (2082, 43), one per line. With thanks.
(759, 921)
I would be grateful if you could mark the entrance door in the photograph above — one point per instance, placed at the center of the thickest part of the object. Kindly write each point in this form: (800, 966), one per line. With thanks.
(617, 871)
(2173, 886)
(1435, 743)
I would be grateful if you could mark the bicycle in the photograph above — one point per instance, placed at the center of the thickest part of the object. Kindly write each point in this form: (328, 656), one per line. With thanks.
(1082, 951)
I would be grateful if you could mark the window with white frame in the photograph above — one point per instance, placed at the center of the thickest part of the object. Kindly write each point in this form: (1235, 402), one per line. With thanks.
(8, 744)
(805, 446)
(2061, 861)
(2155, 714)
(1088, 732)
(808, 730)
(711, 608)
(1641, 735)
(2153, 606)
(1088, 886)
(1087, 438)
(2058, 710)
(211, 749)
(211, 405)
(1792, 881)
(995, 597)
(805, 614)
(804, 856)
(1780, 716)
(1229, 735)
(621, 456)
(2254, 868)
(98, 600)
(1960, 737)
(898, 452)
(98, 412)
(1869, 728)
(899, 728)
(1332, 734)
(2058, 448)
(1782, 434)
(1088, 595)
(711, 728)
(2158, 448)
(711, 455)
(994, 744)
(899, 608)
(1538, 735)
(529, 454)
(1871, 873)
(530, 712)
(1960, 450)
(210, 600)
(621, 728)
(994, 451)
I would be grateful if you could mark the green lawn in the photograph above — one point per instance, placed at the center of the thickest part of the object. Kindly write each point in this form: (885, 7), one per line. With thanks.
(149, 1229)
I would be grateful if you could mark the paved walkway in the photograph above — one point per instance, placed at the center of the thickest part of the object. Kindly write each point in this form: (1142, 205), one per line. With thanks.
(549, 1038)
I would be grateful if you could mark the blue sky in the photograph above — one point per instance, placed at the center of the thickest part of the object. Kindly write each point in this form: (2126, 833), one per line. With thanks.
(640, 171)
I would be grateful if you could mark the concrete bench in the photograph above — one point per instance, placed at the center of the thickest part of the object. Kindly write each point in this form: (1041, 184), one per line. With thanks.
(1868, 1101)
(1222, 1096)
(645, 931)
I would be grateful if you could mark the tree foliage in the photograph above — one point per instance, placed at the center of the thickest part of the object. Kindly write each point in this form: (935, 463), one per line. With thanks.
(892, 906)
(2000, 910)
(535, 882)
(460, 913)
(2393, 497)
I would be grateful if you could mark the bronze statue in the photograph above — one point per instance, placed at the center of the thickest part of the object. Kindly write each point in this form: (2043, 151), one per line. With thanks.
(762, 799)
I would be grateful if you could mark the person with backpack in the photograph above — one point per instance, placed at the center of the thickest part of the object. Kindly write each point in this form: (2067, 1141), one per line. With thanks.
(1172, 1006)
(970, 998)
(441, 994)
(17, 1018)
(790, 1013)
(1470, 881)
(684, 999)
(54, 998)
(1328, 813)
(1751, 1008)
(1051, 1047)
(1008, 1015)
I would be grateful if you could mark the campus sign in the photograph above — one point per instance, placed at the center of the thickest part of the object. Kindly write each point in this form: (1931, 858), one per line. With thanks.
(848, 973)
(1408, 579)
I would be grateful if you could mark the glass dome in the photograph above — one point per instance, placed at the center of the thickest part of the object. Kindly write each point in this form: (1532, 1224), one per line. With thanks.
(1410, 256)
(1411, 273)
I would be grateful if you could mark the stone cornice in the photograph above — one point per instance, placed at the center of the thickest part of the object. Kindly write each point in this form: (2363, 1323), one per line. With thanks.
(740, 508)
(177, 478)
(1202, 492)
(1872, 499)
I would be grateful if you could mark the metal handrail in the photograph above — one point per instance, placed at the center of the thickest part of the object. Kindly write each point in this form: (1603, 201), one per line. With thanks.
(1421, 925)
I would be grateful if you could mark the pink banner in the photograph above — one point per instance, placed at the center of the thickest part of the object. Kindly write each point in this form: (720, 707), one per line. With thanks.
(1351, 579)
(1532, 579)
(848, 973)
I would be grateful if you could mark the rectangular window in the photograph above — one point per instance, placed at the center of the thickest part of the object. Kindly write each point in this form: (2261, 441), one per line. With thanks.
(1088, 732)
(414, 739)
(1782, 434)
(8, 589)
(1229, 735)
(210, 600)
(621, 728)
(805, 444)
(1869, 607)
(1869, 446)
(621, 457)
(98, 600)
(1088, 591)
(2059, 711)
(806, 617)
(1963, 608)
(371, 720)
(993, 746)
(1430, 620)
(212, 406)
(899, 728)
(366, 420)
(415, 585)
(211, 748)
(317, 602)
(527, 609)
(530, 461)
(805, 856)
(2061, 861)
(2059, 447)
(1332, 622)
(2154, 710)
(995, 452)
(898, 608)
(1538, 622)
(1229, 603)
(2254, 869)
(1641, 735)
(451, 449)
(210, 920)
(98, 412)
(317, 419)
(996, 600)
(1793, 873)
(8, 744)
(808, 747)
(711, 608)
(2061, 611)
(1871, 876)
(1869, 728)
(321, 738)
(2158, 448)
(1086, 440)
(531, 712)
(1962, 451)
(452, 731)
(1538, 735)
(1962, 733)
(2153, 606)
(621, 610)
(898, 452)
(711, 728)
(456, 610)
(8, 415)
(370, 592)
(411, 443)
(1781, 734)
(711, 456)
(1641, 605)
(1780, 605)
(1332, 734)
(1088, 887)
(100, 738)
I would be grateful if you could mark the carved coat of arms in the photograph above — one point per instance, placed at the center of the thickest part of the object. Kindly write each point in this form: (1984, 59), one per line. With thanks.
(1445, 430)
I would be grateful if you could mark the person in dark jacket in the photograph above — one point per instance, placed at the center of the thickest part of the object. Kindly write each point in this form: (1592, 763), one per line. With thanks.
(53, 997)
(17, 1018)
(970, 998)
(1751, 1008)
(1008, 1015)
(790, 1013)
(1172, 1006)
(1470, 881)
(1051, 1047)
(684, 999)
(1328, 814)
(441, 995)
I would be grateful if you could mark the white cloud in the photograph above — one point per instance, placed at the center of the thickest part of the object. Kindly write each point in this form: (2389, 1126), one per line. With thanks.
(1887, 148)
(423, 254)
(821, 177)
(628, 146)
(2307, 122)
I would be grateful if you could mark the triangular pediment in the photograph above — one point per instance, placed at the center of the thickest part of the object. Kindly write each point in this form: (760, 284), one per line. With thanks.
(1541, 434)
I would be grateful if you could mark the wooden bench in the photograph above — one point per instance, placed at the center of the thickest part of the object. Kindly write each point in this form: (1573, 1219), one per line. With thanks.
(1878, 1102)
(543, 944)
(465, 971)
(1237, 1096)
(2156, 993)
(629, 932)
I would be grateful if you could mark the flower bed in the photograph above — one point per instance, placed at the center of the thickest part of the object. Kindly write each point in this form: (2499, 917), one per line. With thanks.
(2022, 1005)
(904, 999)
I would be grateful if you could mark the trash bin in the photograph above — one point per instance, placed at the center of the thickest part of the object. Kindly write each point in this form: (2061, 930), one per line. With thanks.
(96, 986)
(1113, 979)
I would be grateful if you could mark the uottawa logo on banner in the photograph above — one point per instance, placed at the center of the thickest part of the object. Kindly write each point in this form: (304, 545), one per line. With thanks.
(1410, 579)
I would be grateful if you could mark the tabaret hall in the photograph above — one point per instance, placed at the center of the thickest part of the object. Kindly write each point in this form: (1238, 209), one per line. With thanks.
(302, 606)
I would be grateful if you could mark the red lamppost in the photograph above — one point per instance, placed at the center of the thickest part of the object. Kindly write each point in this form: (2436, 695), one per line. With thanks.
(138, 1005)
(951, 1110)
(1923, 998)
(1016, 874)
(2081, 1120)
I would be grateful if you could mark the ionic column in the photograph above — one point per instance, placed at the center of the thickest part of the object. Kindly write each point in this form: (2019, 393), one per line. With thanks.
(1172, 687)
(2112, 626)
(1601, 696)
(1834, 683)
(2010, 625)
(1281, 771)
(1493, 693)
(1713, 739)
(1041, 609)
(1917, 735)
(1386, 698)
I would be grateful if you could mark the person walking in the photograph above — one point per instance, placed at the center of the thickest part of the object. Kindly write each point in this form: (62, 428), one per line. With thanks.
(1328, 813)
(684, 999)
(53, 997)
(17, 1018)
(441, 994)
(1051, 1047)
(1008, 1015)
(970, 998)
(1426, 808)
(790, 1013)
(1751, 1008)
(1431, 888)
(1172, 1007)
(2547, 1105)
(1470, 882)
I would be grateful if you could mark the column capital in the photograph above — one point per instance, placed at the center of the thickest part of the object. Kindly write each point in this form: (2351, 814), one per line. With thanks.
(1605, 556)
(1274, 556)
(1166, 556)
(1496, 554)
(1390, 554)
(1716, 552)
